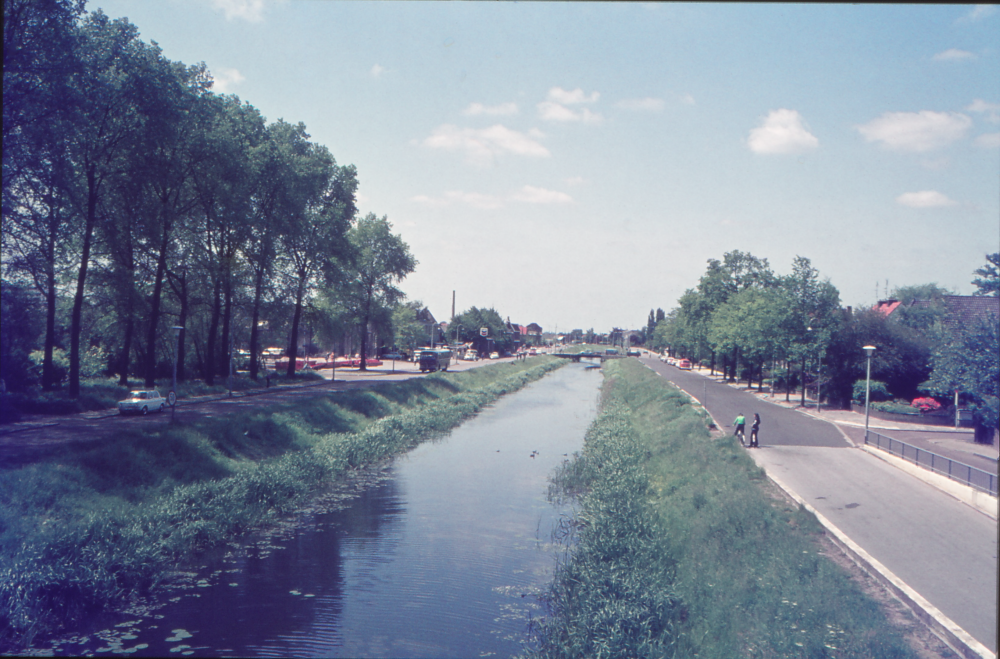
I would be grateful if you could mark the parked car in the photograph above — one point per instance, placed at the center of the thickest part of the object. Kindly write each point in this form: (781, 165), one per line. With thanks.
(393, 355)
(494, 355)
(142, 402)
(684, 364)
(471, 355)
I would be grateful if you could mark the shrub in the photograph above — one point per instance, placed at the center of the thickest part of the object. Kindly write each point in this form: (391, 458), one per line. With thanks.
(879, 392)
(926, 404)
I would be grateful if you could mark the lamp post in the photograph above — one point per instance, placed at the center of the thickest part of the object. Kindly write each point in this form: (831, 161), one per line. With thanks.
(819, 375)
(868, 382)
(172, 396)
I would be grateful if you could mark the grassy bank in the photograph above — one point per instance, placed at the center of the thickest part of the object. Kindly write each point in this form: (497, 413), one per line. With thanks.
(679, 551)
(86, 529)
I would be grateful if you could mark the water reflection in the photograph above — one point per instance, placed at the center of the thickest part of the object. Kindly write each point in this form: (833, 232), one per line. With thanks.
(440, 557)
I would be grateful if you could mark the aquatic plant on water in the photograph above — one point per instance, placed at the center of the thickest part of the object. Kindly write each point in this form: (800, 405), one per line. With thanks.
(71, 559)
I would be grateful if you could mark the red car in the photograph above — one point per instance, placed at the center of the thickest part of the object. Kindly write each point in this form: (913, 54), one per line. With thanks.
(684, 364)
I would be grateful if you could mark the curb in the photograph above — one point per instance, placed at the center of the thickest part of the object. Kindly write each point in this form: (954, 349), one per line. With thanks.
(981, 501)
(941, 625)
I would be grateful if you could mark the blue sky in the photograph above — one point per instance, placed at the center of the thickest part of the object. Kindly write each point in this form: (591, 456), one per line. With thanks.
(576, 164)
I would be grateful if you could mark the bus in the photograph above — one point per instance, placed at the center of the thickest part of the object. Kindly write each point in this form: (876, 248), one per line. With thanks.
(434, 359)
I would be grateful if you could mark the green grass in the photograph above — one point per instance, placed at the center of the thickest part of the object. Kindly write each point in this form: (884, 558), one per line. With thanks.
(679, 551)
(85, 529)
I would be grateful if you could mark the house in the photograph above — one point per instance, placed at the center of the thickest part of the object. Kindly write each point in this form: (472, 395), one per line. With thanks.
(960, 311)
(431, 328)
(886, 307)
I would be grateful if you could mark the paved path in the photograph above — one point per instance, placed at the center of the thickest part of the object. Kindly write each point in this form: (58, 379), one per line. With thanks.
(943, 549)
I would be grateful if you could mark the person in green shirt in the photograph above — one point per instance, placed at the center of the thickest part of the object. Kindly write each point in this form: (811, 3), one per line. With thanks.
(740, 422)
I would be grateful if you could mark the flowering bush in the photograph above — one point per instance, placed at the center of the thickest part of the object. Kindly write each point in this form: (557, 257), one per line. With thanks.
(926, 404)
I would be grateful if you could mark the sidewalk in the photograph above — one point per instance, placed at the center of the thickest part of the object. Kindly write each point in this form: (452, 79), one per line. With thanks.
(956, 444)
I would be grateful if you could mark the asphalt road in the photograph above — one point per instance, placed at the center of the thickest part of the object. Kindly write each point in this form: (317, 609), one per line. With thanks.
(943, 549)
(39, 436)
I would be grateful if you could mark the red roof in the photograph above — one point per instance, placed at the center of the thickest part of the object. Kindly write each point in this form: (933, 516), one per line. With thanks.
(886, 307)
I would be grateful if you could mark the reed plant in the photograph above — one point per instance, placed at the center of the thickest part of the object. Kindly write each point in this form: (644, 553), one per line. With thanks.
(678, 550)
(86, 529)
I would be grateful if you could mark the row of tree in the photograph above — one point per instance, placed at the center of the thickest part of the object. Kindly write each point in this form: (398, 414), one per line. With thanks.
(748, 320)
(135, 200)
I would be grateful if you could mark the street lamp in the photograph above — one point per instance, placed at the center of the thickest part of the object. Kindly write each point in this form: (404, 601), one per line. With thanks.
(172, 396)
(868, 382)
(819, 375)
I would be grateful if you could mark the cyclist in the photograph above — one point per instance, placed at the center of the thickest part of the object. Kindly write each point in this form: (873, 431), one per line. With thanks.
(740, 422)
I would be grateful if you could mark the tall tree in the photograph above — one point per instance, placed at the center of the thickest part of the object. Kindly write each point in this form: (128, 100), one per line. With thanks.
(105, 97)
(378, 261)
(314, 241)
(988, 281)
(40, 58)
(969, 364)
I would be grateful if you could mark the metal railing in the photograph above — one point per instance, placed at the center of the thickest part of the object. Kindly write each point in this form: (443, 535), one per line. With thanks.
(956, 471)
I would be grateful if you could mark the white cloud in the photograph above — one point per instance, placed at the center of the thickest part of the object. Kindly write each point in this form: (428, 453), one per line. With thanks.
(377, 71)
(476, 109)
(248, 10)
(953, 54)
(223, 80)
(529, 194)
(991, 110)
(554, 112)
(574, 180)
(575, 97)
(687, 99)
(481, 146)
(782, 131)
(641, 104)
(916, 131)
(924, 199)
(554, 107)
(978, 13)
(988, 140)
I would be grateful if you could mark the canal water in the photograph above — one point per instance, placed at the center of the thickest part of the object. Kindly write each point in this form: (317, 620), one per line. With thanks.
(443, 553)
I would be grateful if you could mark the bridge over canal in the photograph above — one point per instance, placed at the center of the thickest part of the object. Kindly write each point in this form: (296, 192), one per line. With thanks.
(577, 356)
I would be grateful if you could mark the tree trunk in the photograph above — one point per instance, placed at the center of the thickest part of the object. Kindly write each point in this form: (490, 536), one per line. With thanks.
(788, 381)
(254, 330)
(76, 317)
(154, 312)
(983, 434)
(182, 323)
(294, 339)
(179, 284)
(803, 372)
(48, 368)
(227, 325)
(208, 368)
(123, 358)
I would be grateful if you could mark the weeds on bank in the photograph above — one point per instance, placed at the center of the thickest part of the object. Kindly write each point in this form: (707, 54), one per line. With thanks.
(87, 528)
(678, 551)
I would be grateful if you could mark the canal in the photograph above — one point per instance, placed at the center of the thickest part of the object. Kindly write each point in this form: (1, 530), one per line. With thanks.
(441, 553)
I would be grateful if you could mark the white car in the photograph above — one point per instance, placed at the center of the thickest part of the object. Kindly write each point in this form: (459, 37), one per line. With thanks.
(142, 402)
(494, 355)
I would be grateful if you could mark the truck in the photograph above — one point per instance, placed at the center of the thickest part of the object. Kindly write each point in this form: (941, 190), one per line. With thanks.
(434, 359)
